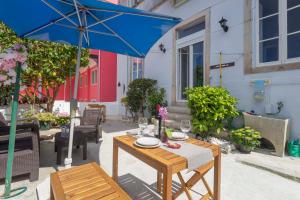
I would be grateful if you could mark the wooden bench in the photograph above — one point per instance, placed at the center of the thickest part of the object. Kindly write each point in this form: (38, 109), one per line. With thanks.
(87, 181)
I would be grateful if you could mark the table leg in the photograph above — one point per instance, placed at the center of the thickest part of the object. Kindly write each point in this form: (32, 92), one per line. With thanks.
(84, 149)
(167, 186)
(159, 182)
(115, 161)
(217, 175)
(51, 193)
(58, 155)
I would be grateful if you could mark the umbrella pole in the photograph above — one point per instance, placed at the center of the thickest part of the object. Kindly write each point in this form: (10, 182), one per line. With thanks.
(73, 103)
(12, 138)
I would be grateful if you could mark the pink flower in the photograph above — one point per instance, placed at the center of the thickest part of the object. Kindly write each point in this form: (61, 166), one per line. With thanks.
(21, 58)
(63, 114)
(8, 64)
(11, 73)
(3, 77)
(163, 113)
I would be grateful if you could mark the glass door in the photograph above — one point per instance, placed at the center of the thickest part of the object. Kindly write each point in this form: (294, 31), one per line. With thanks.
(184, 70)
(190, 68)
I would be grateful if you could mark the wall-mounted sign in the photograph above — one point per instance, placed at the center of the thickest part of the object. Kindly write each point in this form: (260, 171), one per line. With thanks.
(230, 64)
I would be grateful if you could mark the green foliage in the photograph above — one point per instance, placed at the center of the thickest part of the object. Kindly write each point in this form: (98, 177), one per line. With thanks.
(5, 94)
(29, 114)
(210, 107)
(143, 94)
(124, 101)
(62, 120)
(246, 136)
(49, 63)
(45, 117)
(137, 93)
(7, 37)
(156, 96)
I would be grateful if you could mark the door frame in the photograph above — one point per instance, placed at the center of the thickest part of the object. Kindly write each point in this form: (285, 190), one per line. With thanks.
(201, 15)
(188, 41)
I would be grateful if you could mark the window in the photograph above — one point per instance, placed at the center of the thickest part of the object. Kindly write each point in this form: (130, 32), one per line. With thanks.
(190, 57)
(191, 29)
(80, 81)
(94, 76)
(130, 3)
(178, 2)
(277, 32)
(94, 59)
(136, 68)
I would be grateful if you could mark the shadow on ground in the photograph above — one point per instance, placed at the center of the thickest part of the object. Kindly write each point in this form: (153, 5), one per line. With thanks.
(138, 189)
(110, 126)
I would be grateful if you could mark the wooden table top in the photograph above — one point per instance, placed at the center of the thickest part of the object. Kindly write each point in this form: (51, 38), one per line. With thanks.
(87, 181)
(160, 157)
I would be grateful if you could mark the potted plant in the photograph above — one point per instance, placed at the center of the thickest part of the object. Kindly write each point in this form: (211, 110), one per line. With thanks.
(45, 120)
(246, 139)
(62, 119)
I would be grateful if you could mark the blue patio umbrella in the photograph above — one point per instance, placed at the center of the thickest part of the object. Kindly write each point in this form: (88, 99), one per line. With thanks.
(84, 23)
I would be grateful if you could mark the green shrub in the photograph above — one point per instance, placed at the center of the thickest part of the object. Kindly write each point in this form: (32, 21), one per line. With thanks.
(210, 107)
(45, 117)
(62, 120)
(143, 94)
(246, 137)
(155, 97)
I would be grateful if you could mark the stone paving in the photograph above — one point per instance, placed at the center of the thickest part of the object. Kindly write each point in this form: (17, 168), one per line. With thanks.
(239, 181)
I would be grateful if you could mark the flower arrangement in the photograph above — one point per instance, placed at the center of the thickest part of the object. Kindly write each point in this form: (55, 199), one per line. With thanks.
(163, 112)
(62, 119)
(8, 63)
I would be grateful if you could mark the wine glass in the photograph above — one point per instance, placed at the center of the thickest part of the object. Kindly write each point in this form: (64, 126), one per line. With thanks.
(143, 123)
(185, 126)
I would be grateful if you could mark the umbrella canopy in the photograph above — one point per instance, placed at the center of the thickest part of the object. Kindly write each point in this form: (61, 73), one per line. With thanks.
(85, 23)
(106, 26)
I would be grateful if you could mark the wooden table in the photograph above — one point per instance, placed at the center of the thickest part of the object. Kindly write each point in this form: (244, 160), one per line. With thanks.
(165, 162)
(87, 181)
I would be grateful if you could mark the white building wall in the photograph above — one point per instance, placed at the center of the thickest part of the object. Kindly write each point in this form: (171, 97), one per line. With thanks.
(285, 86)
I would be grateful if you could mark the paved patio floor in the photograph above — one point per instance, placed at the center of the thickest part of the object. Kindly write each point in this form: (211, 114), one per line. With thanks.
(239, 181)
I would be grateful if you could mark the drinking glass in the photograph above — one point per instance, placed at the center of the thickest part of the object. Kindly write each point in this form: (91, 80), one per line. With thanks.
(185, 126)
(143, 123)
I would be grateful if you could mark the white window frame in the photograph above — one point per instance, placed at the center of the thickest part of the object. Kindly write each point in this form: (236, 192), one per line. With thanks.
(139, 66)
(177, 3)
(282, 37)
(184, 42)
(94, 79)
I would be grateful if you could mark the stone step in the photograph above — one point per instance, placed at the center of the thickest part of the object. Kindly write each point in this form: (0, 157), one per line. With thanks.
(172, 124)
(179, 109)
(178, 116)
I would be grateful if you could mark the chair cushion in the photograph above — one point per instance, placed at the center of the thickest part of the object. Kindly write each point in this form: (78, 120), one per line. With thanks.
(85, 128)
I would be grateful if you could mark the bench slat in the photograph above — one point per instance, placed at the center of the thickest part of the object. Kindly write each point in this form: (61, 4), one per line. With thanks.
(88, 182)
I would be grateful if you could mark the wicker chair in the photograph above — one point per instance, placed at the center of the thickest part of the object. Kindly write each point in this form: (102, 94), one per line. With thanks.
(26, 156)
(90, 123)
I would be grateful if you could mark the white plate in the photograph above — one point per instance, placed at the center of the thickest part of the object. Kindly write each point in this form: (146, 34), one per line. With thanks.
(147, 141)
(178, 135)
(132, 132)
(146, 147)
(179, 139)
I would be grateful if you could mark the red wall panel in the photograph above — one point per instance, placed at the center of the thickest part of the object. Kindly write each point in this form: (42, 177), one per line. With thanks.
(108, 76)
(105, 88)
